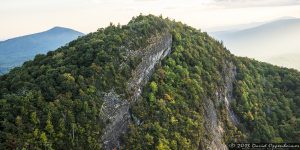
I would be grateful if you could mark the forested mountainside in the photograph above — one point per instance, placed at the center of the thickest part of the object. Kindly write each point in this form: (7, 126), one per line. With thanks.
(151, 84)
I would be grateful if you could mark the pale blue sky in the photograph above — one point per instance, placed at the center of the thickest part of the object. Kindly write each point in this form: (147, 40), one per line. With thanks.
(20, 17)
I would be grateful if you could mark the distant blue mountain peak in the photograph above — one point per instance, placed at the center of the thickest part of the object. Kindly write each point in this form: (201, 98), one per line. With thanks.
(15, 51)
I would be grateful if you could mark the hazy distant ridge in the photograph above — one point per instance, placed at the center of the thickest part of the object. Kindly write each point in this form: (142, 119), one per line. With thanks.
(13, 52)
(269, 42)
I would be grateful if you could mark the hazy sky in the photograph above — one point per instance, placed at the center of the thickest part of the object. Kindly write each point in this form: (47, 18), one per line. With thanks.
(20, 17)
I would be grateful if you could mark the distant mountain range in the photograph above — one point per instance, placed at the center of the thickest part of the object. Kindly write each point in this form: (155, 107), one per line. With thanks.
(273, 42)
(291, 60)
(15, 51)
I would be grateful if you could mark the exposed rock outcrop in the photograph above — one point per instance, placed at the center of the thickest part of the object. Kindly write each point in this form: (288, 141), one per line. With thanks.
(116, 110)
(229, 78)
(151, 55)
(214, 126)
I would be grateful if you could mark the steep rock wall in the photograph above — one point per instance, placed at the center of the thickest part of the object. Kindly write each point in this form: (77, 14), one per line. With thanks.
(213, 124)
(116, 110)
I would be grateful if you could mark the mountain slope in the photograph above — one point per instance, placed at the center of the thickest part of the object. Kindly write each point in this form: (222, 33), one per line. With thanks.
(265, 41)
(15, 51)
(150, 84)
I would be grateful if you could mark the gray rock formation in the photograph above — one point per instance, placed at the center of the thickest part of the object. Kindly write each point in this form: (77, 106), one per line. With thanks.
(229, 79)
(116, 110)
(151, 55)
(213, 124)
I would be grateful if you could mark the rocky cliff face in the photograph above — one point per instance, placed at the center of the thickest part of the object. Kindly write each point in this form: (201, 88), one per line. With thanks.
(116, 110)
(213, 124)
(151, 55)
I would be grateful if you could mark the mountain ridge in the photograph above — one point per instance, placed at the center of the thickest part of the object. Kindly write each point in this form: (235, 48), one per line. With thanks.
(265, 41)
(186, 92)
(55, 28)
(15, 51)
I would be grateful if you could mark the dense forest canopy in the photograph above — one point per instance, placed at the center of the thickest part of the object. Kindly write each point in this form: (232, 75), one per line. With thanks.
(54, 101)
